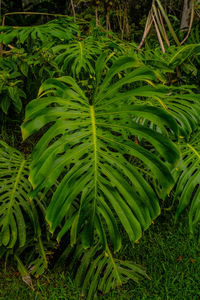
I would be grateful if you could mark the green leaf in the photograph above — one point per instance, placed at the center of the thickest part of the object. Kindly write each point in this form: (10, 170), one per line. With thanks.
(24, 69)
(15, 204)
(5, 104)
(96, 271)
(78, 57)
(88, 145)
(187, 175)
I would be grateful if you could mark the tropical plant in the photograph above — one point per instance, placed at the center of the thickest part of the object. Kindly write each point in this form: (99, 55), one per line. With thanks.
(23, 234)
(187, 173)
(21, 74)
(78, 57)
(61, 29)
(11, 81)
(89, 140)
(14, 200)
(183, 106)
(96, 270)
(178, 65)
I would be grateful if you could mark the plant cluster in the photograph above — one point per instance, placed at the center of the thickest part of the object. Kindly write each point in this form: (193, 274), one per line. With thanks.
(109, 131)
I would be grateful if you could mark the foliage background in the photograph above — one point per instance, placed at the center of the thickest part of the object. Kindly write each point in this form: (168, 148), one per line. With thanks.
(159, 90)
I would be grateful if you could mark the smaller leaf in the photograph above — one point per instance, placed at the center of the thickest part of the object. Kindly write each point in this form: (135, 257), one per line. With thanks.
(5, 104)
(24, 69)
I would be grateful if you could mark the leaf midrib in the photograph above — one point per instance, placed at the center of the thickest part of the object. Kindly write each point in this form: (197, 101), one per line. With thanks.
(94, 137)
(15, 188)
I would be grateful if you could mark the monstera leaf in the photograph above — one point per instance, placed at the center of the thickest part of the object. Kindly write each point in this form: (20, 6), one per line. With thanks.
(61, 29)
(77, 57)
(15, 204)
(188, 180)
(96, 270)
(183, 105)
(90, 136)
(21, 217)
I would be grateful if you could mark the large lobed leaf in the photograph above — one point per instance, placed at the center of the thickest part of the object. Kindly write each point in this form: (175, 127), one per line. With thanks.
(15, 203)
(187, 175)
(86, 145)
(183, 105)
(98, 271)
(77, 57)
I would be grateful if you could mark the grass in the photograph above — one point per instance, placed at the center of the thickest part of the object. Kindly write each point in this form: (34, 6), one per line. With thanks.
(172, 261)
